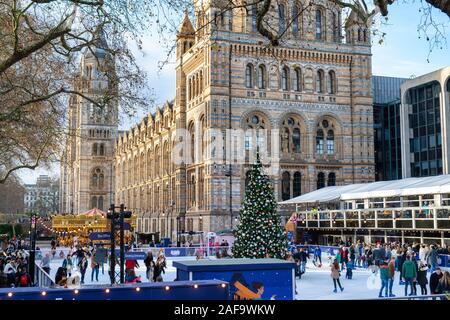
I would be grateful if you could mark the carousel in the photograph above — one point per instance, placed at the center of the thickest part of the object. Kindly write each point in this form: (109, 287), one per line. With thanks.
(69, 228)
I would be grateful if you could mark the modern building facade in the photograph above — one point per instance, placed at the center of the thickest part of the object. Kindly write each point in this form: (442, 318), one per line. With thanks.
(406, 211)
(43, 196)
(425, 124)
(312, 91)
(386, 123)
(87, 161)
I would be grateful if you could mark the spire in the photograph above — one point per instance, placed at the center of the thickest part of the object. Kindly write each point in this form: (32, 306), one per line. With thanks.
(99, 46)
(355, 16)
(186, 29)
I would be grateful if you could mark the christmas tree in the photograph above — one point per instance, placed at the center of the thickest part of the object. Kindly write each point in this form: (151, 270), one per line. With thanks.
(259, 233)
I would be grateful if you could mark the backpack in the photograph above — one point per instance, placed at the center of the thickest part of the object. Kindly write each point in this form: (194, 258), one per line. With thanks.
(23, 280)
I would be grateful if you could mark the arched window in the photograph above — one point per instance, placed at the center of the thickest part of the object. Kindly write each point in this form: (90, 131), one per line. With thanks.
(102, 149)
(286, 186)
(258, 123)
(319, 141)
(247, 179)
(365, 35)
(319, 81)
(281, 19)
(297, 184)
(290, 135)
(297, 79)
(295, 26)
(100, 203)
(320, 180)
(296, 140)
(359, 35)
(192, 143)
(157, 161)
(285, 79)
(331, 82)
(318, 24)
(331, 179)
(101, 180)
(261, 77)
(94, 202)
(335, 26)
(254, 15)
(94, 149)
(330, 142)
(249, 76)
(230, 20)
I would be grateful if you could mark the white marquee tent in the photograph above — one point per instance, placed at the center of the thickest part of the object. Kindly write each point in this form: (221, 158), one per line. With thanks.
(379, 189)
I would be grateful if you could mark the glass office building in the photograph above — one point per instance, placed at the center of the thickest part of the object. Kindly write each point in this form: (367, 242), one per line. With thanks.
(425, 124)
(386, 115)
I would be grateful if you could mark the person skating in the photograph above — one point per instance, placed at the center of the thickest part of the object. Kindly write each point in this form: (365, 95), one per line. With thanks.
(391, 267)
(384, 275)
(434, 280)
(82, 266)
(317, 256)
(335, 275)
(95, 267)
(422, 277)
(432, 258)
(410, 274)
(150, 265)
(68, 264)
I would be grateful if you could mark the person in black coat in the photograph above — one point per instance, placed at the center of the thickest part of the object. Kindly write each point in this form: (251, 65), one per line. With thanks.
(434, 280)
(422, 277)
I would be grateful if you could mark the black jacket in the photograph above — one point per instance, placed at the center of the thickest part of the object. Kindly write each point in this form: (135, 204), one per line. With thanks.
(422, 277)
(434, 281)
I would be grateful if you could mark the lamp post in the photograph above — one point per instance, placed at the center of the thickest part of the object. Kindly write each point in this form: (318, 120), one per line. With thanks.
(178, 231)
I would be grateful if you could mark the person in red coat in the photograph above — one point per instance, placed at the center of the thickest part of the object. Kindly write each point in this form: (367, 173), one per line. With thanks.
(131, 264)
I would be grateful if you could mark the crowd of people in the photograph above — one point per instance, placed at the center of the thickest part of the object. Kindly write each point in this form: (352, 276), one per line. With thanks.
(411, 262)
(14, 264)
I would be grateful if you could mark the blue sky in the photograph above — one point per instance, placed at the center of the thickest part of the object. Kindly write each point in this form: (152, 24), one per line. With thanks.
(402, 54)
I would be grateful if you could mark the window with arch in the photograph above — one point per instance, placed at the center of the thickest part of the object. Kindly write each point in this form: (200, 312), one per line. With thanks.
(335, 26)
(247, 178)
(97, 178)
(297, 80)
(281, 19)
(94, 149)
(258, 123)
(318, 24)
(320, 180)
(262, 77)
(294, 21)
(100, 203)
(331, 179)
(330, 142)
(249, 76)
(254, 14)
(102, 149)
(94, 202)
(290, 135)
(319, 141)
(192, 143)
(285, 79)
(286, 186)
(157, 161)
(166, 160)
(297, 184)
(331, 82)
(319, 81)
(325, 134)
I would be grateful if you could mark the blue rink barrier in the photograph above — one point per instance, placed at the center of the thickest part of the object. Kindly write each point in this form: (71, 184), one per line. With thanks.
(179, 290)
(249, 279)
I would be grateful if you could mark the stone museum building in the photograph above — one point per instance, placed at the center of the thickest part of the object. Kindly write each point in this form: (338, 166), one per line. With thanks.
(312, 93)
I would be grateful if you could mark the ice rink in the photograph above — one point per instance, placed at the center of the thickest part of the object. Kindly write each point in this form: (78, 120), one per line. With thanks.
(315, 284)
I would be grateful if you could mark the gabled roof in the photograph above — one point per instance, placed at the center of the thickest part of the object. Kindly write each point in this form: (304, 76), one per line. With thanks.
(186, 29)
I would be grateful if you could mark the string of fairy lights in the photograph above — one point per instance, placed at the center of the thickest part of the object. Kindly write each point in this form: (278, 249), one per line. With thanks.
(41, 222)
(108, 290)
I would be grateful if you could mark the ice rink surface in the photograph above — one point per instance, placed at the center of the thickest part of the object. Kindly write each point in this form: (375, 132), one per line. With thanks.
(315, 284)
